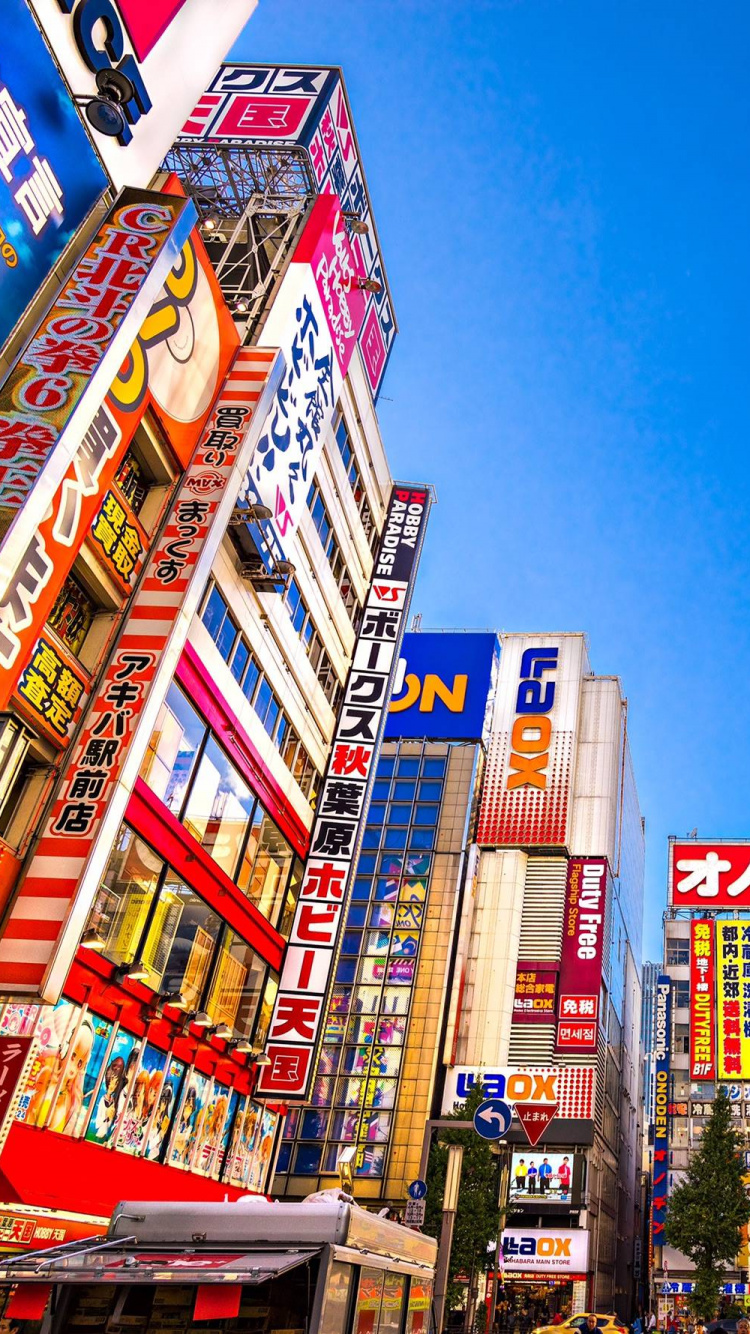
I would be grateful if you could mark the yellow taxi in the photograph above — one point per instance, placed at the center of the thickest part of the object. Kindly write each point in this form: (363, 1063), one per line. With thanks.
(608, 1324)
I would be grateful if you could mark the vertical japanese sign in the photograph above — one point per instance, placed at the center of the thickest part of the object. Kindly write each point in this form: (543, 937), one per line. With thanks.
(50, 176)
(309, 107)
(307, 972)
(315, 320)
(582, 954)
(15, 1060)
(702, 1003)
(54, 391)
(55, 897)
(662, 1043)
(733, 998)
(534, 998)
(173, 368)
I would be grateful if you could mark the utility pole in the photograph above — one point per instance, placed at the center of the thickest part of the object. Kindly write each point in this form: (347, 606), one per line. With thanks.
(502, 1201)
(450, 1205)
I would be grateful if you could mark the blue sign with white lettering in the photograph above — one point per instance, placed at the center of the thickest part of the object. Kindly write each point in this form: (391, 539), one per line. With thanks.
(492, 1118)
(442, 686)
(50, 176)
(417, 1190)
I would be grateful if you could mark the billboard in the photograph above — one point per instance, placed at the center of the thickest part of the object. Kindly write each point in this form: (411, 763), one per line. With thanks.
(50, 176)
(168, 49)
(548, 1177)
(582, 954)
(307, 106)
(702, 1000)
(314, 320)
(709, 875)
(442, 686)
(569, 1087)
(341, 811)
(534, 996)
(733, 998)
(662, 1045)
(527, 787)
(174, 368)
(54, 900)
(546, 1250)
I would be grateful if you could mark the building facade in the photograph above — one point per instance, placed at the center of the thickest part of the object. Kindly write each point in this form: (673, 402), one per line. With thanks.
(188, 550)
(706, 938)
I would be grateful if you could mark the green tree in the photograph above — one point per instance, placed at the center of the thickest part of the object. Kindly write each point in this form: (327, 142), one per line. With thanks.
(477, 1216)
(707, 1210)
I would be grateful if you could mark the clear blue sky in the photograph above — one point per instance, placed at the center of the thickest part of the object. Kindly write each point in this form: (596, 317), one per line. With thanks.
(562, 193)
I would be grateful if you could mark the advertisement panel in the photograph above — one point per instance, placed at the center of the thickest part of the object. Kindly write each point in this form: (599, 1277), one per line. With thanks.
(541, 1177)
(525, 799)
(55, 389)
(709, 875)
(702, 1002)
(50, 176)
(174, 368)
(56, 895)
(341, 812)
(733, 998)
(168, 49)
(662, 1045)
(545, 1250)
(582, 954)
(570, 1087)
(534, 996)
(314, 319)
(442, 686)
(307, 106)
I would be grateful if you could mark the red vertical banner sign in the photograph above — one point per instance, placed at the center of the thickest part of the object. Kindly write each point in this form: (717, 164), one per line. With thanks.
(702, 1000)
(307, 974)
(582, 954)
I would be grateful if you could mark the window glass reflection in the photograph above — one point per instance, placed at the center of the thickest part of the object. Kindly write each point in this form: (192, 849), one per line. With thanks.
(180, 942)
(173, 749)
(124, 898)
(219, 807)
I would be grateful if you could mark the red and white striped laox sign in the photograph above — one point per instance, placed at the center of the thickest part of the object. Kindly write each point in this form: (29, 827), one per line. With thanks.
(45, 924)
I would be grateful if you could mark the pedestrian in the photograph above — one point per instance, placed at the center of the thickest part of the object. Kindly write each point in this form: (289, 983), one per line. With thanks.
(557, 1318)
(532, 1176)
(700, 1328)
(563, 1175)
(545, 1176)
(521, 1174)
(651, 1321)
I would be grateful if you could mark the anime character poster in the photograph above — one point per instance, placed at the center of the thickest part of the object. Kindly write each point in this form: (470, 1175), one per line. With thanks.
(142, 1101)
(189, 1120)
(243, 1140)
(227, 1133)
(206, 1156)
(263, 1151)
(53, 1028)
(166, 1106)
(85, 1061)
(18, 1020)
(114, 1089)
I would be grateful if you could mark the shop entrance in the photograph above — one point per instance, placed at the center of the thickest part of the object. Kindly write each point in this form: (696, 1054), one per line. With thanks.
(527, 1301)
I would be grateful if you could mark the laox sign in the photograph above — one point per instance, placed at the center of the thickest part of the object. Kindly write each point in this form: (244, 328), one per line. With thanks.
(532, 729)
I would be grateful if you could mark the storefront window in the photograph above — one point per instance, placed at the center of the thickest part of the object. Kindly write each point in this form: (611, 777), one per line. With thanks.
(369, 1294)
(72, 615)
(266, 1009)
(173, 749)
(219, 807)
(235, 985)
(124, 898)
(264, 878)
(418, 1310)
(333, 1318)
(180, 943)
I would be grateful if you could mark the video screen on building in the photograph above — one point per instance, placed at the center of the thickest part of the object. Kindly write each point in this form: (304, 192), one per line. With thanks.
(544, 1176)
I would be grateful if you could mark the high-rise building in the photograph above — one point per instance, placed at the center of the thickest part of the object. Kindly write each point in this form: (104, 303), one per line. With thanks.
(702, 1035)
(201, 535)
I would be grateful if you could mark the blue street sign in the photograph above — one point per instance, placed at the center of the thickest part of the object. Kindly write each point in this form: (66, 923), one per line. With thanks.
(492, 1118)
(417, 1190)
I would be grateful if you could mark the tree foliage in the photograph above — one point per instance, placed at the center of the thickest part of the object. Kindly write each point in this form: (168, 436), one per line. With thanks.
(708, 1209)
(477, 1216)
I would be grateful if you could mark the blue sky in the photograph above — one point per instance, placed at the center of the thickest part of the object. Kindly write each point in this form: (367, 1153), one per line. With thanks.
(563, 201)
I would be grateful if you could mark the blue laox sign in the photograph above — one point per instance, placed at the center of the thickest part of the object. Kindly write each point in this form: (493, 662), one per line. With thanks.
(570, 1088)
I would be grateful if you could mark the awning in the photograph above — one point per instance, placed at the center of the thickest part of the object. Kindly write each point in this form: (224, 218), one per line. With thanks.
(133, 1266)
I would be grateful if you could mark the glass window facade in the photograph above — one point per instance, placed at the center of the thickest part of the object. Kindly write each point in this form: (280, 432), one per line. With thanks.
(144, 913)
(356, 1082)
(188, 770)
(324, 528)
(247, 672)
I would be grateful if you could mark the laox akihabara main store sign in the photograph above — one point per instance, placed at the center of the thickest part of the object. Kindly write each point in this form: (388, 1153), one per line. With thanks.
(709, 875)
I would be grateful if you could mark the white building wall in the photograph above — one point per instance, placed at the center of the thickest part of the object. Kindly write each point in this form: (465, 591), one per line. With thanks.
(487, 1008)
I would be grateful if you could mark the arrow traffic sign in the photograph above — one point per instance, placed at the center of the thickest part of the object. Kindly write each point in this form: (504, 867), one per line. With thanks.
(492, 1118)
(417, 1190)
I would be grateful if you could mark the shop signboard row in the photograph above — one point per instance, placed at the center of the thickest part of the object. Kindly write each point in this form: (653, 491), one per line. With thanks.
(300, 1007)
(570, 1088)
(526, 794)
(662, 1043)
(307, 106)
(56, 895)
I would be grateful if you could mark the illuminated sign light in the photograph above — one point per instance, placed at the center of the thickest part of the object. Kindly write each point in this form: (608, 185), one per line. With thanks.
(532, 729)
(442, 686)
(662, 1038)
(709, 875)
(544, 1248)
(570, 1087)
(733, 998)
(582, 954)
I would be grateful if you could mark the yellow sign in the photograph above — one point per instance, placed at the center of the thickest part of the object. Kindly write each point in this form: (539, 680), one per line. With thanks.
(733, 998)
